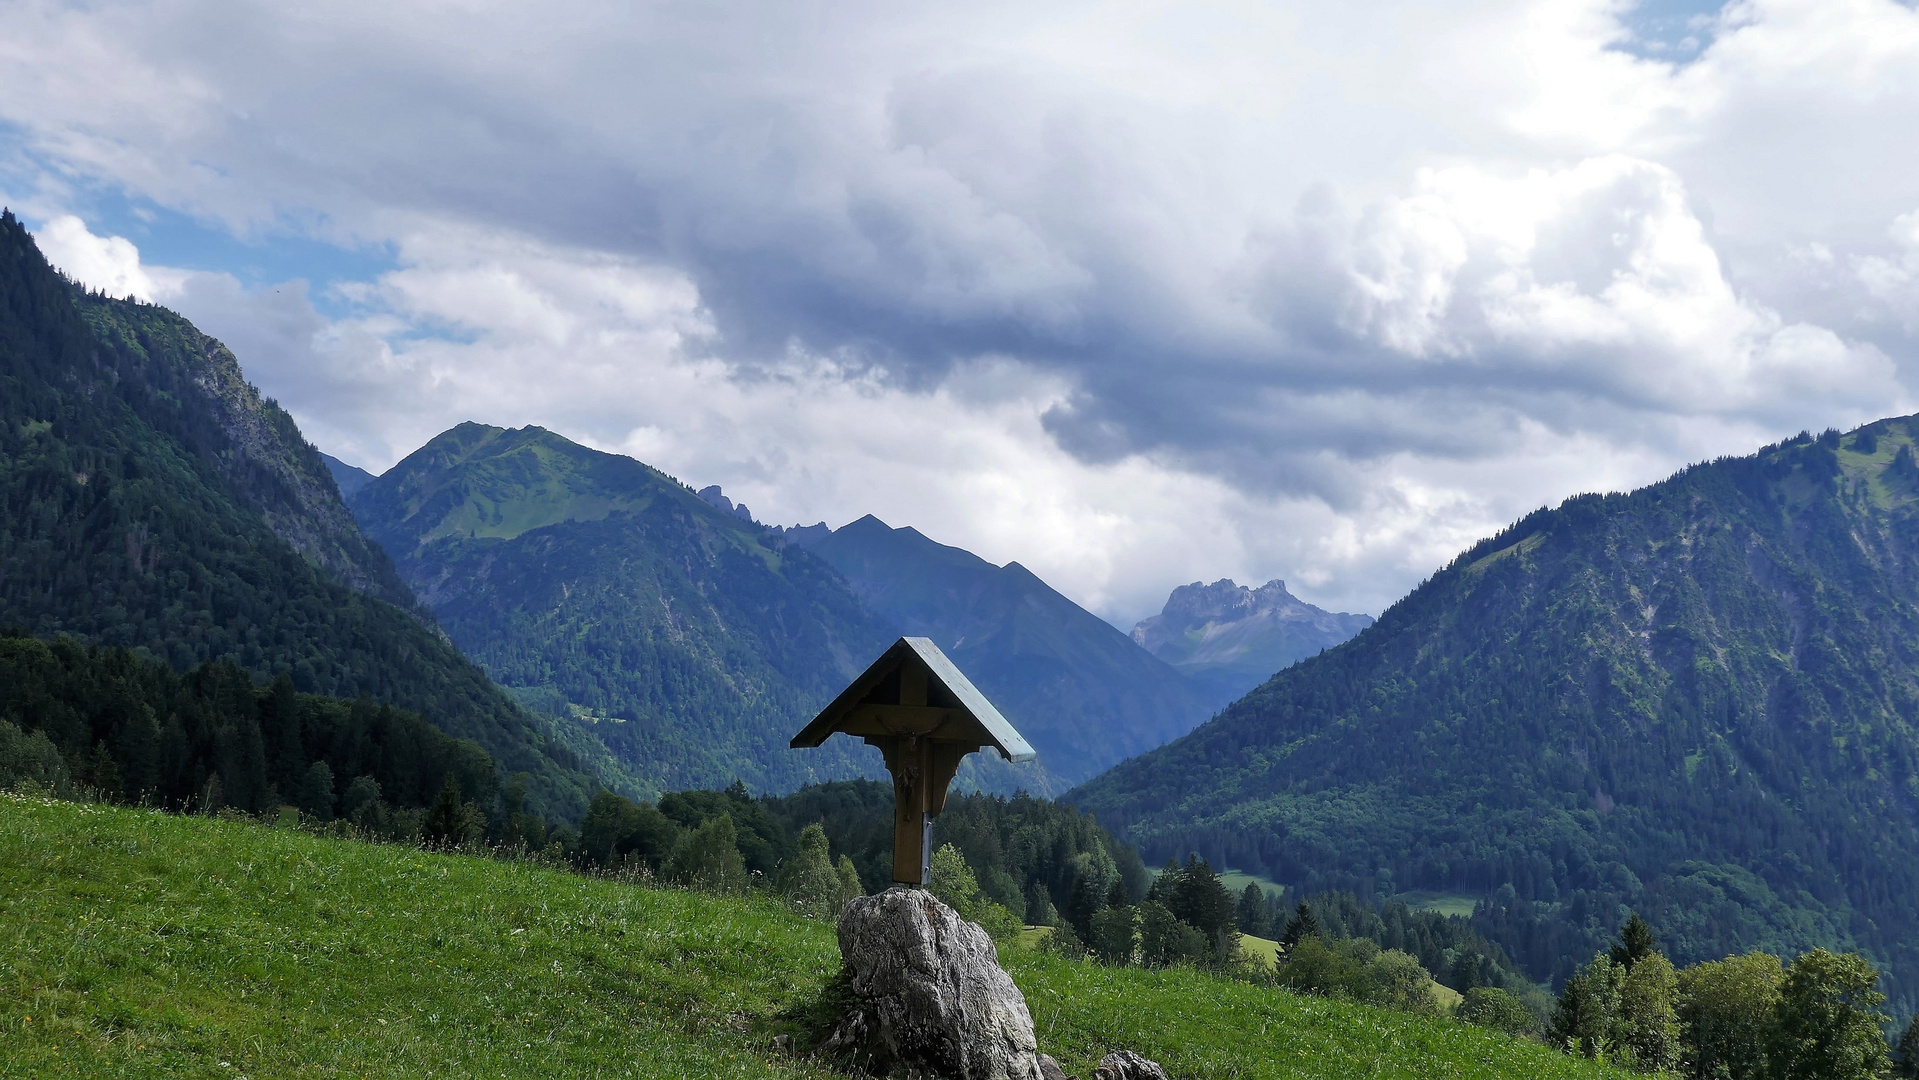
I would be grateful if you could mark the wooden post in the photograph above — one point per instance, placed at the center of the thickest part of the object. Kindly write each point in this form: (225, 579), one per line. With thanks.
(910, 762)
(892, 708)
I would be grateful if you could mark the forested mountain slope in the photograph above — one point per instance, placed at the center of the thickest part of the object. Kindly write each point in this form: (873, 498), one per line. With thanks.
(1083, 693)
(1698, 699)
(149, 498)
(689, 642)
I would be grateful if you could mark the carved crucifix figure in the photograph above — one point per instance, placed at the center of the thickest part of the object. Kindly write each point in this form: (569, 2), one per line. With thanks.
(924, 716)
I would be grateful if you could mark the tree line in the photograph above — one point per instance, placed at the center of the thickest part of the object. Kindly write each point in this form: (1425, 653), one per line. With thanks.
(127, 729)
(1746, 1017)
(141, 486)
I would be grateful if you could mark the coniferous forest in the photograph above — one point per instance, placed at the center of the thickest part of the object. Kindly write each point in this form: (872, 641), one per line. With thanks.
(1699, 701)
(130, 730)
(150, 499)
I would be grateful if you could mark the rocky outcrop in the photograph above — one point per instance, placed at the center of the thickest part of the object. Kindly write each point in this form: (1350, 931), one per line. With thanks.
(1126, 1065)
(931, 996)
(272, 465)
(1229, 638)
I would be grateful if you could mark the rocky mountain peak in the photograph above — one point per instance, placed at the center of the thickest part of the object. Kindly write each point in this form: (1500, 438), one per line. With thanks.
(1230, 637)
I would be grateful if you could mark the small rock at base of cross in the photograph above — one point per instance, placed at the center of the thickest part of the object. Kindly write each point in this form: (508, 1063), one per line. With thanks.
(1126, 1065)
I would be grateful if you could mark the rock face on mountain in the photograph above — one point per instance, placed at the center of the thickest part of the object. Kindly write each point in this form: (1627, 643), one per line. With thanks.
(153, 499)
(1083, 693)
(1231, 638)
(681, 643)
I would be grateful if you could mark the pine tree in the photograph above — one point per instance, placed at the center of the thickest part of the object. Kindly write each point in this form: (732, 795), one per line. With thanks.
(849, 880)
(316, 792)
(1303, 924)
(1195, 897)
(1636, 942)
(808, 880)
(448, 822)
(1906, 1064)
(212, 795)
(1252, 914)
(1582, 1020)
(1083, 905)
(280, 724)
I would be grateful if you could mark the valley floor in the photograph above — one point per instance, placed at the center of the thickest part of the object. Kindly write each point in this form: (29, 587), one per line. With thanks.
(137, 944)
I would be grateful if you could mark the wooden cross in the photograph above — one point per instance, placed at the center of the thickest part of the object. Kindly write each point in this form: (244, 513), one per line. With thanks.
(925, 717)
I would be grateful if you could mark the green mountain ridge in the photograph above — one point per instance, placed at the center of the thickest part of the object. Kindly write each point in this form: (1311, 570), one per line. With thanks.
(1699, 700)
(1083, 693)
(151, 499)
(683, 645)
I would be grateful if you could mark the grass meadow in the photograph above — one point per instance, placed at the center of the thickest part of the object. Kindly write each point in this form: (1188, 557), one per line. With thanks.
(139, 944)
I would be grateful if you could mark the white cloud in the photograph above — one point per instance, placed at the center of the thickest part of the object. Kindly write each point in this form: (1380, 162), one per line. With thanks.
(1134, 295)
(109, 264)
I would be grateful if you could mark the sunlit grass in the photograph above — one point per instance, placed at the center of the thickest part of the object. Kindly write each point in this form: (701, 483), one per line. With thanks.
(136, 944)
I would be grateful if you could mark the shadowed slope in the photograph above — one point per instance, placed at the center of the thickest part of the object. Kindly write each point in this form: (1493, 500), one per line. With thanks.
(150, 498)
(1699, 699)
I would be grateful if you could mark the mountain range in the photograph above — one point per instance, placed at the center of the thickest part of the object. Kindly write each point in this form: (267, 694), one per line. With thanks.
(151, 499)
(1083, 693)
(682, 644)
(1698, 700)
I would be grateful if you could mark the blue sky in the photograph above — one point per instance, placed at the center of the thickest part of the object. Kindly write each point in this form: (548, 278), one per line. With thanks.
(1670, 29)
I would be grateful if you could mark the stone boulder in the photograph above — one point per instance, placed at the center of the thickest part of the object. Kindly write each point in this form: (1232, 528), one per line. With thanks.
(931, 995)
(1126, 1065)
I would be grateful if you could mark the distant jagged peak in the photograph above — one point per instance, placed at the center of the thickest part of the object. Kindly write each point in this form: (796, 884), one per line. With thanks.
(1226, 598)
(1226, 623)
(717, 499)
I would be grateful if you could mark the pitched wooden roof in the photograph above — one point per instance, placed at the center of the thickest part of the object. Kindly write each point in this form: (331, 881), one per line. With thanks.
(960, 714)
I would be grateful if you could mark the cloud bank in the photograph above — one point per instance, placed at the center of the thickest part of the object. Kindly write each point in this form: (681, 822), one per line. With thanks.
(1133, 294)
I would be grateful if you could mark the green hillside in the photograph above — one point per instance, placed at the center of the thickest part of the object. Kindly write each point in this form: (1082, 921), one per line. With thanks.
(1083, 693)
(150, 499)
(687, 642)
(137, 944)
(1699, 700)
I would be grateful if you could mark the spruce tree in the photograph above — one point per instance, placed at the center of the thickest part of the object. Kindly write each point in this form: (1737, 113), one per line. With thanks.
(808, 880)
(445, 824)
(849, 876)
(1636, 942)
(1084, 904)
(316, 792)
(1252, 916)
(1905, 1064)
(1302, 925)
